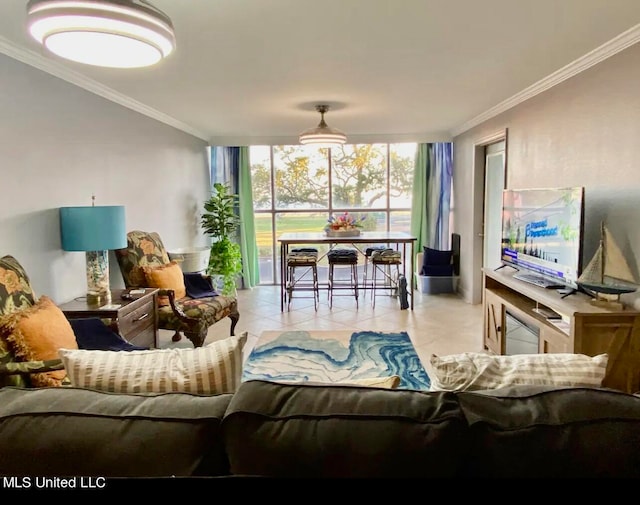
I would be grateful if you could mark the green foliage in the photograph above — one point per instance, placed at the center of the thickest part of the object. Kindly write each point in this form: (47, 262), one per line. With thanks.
(220, 221)
(359, 177)
(225, 260)
(301, 179)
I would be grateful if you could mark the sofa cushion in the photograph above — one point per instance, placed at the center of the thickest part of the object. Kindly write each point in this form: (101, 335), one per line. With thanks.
(306, 430)
(212, 369)
(72, 431)
(36, 333)
(473, 370)
(551, 432)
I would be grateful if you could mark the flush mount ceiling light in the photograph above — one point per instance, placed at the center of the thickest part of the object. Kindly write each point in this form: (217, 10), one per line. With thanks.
(323, 135)
(105, 33)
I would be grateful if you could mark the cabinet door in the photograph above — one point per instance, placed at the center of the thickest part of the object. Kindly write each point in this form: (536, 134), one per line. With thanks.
(552, 341)
(493, 323)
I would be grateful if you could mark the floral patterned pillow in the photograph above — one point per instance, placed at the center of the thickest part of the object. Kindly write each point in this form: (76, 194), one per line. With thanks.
(15, 290)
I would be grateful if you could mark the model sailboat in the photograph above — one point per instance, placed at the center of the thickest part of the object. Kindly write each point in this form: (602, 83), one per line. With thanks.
(608, 274)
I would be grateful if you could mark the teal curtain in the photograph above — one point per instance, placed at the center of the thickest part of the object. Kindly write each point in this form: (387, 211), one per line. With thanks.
(230, 165)
(432, 195)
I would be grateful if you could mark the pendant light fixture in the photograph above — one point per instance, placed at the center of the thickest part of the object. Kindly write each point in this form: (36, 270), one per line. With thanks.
(105, 33)
(323, 135)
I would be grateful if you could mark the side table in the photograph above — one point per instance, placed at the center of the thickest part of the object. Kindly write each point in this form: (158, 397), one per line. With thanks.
(134, 320)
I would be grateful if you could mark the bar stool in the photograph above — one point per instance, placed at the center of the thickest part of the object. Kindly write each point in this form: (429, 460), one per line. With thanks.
(307, 259)
(382, 261)
(367, 255)
(343, 257)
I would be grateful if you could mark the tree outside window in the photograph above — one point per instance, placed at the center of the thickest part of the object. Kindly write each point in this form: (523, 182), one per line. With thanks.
(297, 188)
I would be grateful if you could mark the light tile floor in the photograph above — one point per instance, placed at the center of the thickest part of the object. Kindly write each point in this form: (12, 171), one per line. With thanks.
(438, 324)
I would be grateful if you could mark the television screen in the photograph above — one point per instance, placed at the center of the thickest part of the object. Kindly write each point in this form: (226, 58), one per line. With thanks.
(542, 231)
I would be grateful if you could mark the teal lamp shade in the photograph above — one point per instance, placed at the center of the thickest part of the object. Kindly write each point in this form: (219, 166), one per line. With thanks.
(94, 230)
(97, 228)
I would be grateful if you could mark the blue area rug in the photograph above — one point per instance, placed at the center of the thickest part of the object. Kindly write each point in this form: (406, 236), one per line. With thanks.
(297, 356)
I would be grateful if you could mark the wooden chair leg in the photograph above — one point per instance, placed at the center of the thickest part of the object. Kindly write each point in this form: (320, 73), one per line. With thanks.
(234, 320)
(197, 338)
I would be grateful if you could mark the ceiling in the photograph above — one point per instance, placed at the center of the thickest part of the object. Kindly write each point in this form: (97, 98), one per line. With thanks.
(250, 71)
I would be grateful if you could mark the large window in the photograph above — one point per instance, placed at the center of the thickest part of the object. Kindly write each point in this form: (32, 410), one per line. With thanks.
(297, 188)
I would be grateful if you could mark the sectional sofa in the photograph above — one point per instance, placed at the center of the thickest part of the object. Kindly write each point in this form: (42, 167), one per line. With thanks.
(278, 430)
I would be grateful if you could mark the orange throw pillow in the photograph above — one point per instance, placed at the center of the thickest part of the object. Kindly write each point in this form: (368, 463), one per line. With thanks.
(37, 333)
(168, 276)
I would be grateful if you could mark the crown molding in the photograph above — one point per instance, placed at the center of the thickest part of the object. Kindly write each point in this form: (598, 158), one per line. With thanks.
(606, 50)
(57, 70)
(241, 140)
(610, 48)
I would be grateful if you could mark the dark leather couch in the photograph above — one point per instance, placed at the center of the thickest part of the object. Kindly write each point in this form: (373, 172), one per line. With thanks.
(319, 431)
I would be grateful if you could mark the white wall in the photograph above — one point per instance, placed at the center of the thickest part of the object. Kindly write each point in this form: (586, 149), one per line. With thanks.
(59, 144)
(583, 132)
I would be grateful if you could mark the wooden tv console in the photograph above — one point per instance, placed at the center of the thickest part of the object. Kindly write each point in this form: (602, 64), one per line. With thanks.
(584, 328)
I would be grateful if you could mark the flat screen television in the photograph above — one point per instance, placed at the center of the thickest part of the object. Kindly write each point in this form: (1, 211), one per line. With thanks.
(542, 232)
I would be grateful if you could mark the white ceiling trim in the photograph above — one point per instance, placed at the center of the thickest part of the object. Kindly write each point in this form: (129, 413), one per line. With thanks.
(57, 70)
(610, 48)
(606, 50)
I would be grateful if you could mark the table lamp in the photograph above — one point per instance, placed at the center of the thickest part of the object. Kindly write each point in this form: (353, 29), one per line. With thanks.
(94, 230)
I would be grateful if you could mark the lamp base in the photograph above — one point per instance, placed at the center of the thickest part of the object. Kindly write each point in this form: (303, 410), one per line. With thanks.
(98, 291)
(98, 299)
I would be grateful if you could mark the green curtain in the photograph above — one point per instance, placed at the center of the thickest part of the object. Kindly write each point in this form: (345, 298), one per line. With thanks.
(230, 164)
(419, 222)
(248, 245)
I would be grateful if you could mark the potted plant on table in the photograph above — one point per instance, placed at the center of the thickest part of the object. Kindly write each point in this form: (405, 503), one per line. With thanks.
(220, 221)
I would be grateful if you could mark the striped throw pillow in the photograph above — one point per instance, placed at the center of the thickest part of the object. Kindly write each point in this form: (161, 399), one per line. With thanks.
(472, 371)
(212, 369)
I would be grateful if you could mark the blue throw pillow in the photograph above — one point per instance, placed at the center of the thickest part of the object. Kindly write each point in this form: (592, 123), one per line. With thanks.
(92, 334)
(198, 285)
(436, 257)
(441, 260)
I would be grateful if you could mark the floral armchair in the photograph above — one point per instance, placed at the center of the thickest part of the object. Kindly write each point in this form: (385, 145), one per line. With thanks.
(31, 328)
(17, 294)
(191, 316)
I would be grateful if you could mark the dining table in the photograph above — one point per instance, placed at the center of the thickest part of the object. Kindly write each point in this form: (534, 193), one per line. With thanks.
(402, 241)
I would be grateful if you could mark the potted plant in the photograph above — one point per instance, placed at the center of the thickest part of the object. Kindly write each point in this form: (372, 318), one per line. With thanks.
(220, 222)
